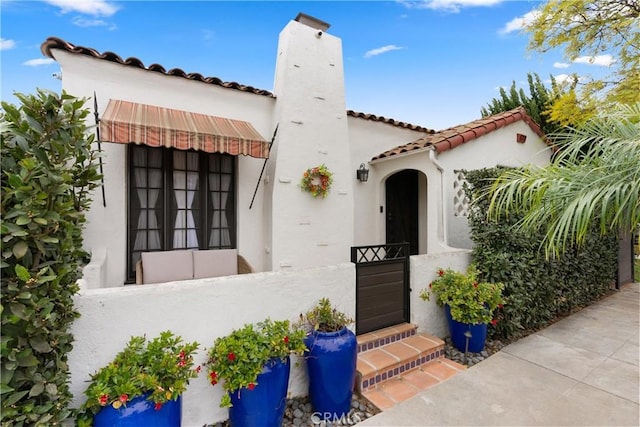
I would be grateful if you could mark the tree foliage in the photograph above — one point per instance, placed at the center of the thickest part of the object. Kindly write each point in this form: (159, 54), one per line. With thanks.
(48, 172)
(594, 180)
(586, 29)
(537, 103)
(537, 289)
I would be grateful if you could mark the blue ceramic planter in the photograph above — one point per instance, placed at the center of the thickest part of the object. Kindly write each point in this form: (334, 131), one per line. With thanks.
(264, 405)
(457, 330)
(331, 363)
(140, 412)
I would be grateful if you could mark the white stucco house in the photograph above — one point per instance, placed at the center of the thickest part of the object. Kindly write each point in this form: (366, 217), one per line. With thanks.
(192, 162)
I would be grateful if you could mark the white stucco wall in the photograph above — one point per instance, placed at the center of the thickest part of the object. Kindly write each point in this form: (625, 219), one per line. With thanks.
(430, 201)
(426, 314)
(199, 310)
(367, 139)
(312, 130)
(202, 310)
(496, 148)
(287, 228)
(106, 226)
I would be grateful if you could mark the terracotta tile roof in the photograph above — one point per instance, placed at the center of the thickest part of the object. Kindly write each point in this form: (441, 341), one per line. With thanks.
(57, 43)
(450, 138)
(393, 122)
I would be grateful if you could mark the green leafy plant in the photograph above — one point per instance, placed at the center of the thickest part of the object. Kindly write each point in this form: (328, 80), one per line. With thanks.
(161, 367)
(538, 289)
(49, 170)
(324, 317)
(238, 358)
(470, 301)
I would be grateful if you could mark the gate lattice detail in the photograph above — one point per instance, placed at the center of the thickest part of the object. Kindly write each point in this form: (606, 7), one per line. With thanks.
(382, 285)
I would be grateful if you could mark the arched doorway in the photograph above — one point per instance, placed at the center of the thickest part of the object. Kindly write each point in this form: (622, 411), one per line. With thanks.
(401, 202)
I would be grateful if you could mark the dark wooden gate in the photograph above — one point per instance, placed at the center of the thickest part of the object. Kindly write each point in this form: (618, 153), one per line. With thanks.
(382, 285)
(625, 260)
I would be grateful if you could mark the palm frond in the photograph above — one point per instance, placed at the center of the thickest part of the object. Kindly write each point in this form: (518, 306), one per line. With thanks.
(594, 181)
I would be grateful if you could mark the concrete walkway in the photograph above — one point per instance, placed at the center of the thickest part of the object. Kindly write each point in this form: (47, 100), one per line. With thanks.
(580, 371)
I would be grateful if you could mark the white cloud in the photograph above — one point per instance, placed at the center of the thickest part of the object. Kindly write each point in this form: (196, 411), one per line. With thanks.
(82, 22)
(601, 60)
(562, 78)
(517, 24)
(38, 62)
(561, 65)
(6, 44)
(87, 7)
(381, 50)
(567, 78)
(448, 5)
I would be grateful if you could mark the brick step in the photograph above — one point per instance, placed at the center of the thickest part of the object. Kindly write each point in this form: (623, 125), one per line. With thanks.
(397, 363)
(395, 357)
(378, 338)
(398, 389)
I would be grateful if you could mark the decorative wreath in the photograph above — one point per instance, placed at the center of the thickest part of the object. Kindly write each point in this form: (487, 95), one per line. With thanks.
(317, 181)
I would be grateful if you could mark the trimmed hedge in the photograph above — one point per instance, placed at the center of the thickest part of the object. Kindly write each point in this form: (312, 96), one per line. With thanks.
(538, 290)
(48, 172)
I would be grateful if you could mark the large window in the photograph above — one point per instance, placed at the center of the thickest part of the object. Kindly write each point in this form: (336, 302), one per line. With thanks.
(179, 200)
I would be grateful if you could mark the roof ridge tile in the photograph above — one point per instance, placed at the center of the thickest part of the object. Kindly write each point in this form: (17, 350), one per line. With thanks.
(452, 137)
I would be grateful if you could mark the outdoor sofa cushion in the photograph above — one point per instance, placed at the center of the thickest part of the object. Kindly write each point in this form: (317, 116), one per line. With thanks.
(167, 266)
(215, 263)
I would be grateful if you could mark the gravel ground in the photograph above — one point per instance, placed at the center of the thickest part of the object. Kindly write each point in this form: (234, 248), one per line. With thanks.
(300, 413)
(490, 347)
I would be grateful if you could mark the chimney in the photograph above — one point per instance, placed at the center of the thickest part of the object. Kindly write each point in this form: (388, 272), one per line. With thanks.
(312, 130)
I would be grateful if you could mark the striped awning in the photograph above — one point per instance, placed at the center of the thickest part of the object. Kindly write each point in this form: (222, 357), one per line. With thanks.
(129, 122)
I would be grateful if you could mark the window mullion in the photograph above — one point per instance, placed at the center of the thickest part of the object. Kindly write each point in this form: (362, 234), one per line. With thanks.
(204, 199)
(168, 198)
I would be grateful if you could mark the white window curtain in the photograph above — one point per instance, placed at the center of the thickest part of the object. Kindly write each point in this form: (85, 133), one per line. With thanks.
(220, 185)
(185, 184)
(148, 235)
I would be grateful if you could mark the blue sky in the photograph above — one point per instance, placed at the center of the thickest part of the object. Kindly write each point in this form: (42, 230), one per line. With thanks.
(432, 63)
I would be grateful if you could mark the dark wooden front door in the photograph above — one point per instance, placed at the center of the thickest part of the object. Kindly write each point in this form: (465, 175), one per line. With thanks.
(402, 209)
(382, 286)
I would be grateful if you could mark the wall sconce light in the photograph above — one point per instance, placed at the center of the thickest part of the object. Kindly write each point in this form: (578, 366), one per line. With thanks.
(362, 173)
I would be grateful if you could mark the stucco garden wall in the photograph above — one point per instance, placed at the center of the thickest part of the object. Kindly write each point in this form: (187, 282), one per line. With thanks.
(426, 314)
(199, 310)
(202, 310)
